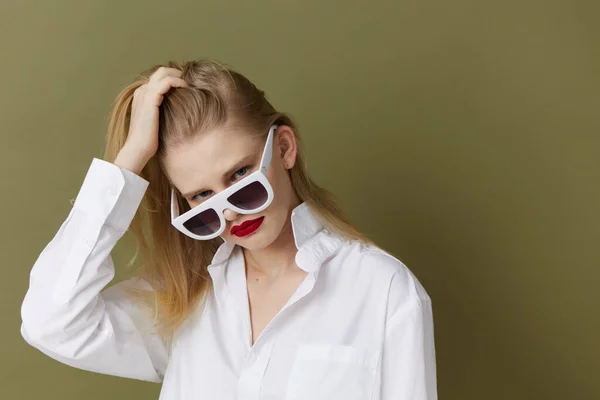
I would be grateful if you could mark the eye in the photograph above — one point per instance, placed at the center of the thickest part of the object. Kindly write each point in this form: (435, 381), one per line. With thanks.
(202, 195)
(241, 172)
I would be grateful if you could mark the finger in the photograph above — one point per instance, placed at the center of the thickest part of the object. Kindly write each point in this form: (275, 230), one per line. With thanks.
(162, 72)
(168, 82)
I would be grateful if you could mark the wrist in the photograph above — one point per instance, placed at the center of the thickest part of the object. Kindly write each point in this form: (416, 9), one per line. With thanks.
(131, 159)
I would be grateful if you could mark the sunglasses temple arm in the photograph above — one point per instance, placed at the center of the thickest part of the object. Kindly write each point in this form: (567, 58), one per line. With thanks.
(174, 205)
(268, 151)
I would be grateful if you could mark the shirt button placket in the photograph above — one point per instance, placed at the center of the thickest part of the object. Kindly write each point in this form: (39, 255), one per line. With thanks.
(253, 372)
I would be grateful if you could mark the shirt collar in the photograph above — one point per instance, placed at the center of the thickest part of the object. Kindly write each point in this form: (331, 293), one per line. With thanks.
(313, 241)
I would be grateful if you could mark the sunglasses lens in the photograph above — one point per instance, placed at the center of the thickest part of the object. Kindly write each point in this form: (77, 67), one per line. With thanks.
(249, 197)
(204, 224)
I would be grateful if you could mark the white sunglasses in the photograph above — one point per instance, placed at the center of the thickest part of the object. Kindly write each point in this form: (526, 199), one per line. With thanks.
(250, 195)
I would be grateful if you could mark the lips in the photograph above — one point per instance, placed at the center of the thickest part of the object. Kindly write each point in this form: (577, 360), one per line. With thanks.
(246, 227)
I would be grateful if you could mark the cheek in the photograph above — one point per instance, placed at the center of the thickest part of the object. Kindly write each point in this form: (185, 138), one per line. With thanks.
(276, 221)
(272, 175)
(279, 180)
(275, 216)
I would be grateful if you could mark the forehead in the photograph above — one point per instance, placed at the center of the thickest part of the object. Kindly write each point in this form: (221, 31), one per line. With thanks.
(201, 162)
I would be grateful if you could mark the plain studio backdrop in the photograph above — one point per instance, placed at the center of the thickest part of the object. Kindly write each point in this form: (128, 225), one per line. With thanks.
(461, 135)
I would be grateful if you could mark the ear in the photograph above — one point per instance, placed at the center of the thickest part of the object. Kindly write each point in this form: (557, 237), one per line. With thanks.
(287, 146)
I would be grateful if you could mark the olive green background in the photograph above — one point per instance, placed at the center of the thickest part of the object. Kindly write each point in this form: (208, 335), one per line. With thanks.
(462, 135)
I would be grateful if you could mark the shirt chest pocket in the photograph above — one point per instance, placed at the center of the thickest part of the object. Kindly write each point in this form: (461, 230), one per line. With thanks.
(331, 372)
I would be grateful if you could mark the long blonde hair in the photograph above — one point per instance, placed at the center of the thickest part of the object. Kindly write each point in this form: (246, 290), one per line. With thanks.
(173, 264)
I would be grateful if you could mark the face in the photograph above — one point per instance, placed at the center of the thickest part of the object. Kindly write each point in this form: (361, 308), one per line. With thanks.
(217, 159)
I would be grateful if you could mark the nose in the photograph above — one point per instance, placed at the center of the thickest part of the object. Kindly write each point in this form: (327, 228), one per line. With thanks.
(230, 215)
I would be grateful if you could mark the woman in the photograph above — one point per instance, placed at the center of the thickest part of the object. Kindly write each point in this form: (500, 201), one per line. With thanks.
(253, 286)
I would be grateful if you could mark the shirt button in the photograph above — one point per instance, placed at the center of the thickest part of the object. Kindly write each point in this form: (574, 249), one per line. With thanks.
(112, 191)
(253, 357)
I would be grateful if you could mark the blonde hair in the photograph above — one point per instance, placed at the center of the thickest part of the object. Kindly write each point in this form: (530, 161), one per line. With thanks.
(173, 264)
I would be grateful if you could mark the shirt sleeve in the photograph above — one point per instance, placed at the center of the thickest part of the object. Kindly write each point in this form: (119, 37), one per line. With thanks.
(67, 313)
(408, 359)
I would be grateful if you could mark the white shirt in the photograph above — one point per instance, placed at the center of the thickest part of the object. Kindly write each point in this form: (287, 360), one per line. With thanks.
(358, 327)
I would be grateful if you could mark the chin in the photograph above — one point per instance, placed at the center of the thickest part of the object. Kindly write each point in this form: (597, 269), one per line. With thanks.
(258, 240)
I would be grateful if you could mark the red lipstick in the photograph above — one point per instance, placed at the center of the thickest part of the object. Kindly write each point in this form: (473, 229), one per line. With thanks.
(247, 227)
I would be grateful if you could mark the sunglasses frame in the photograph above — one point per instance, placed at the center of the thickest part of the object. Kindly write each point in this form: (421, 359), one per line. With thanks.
(220, 202)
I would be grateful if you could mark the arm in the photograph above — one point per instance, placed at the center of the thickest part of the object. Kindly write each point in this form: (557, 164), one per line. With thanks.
(66, 314)
(408, 359)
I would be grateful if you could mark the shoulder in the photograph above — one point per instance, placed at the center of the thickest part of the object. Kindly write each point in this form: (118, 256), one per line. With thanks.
(403, 287)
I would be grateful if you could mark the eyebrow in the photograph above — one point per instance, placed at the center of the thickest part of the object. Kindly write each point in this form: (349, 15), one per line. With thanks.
(226, 174)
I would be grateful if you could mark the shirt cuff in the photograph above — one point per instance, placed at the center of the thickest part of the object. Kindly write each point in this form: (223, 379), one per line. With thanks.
(111, 194)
